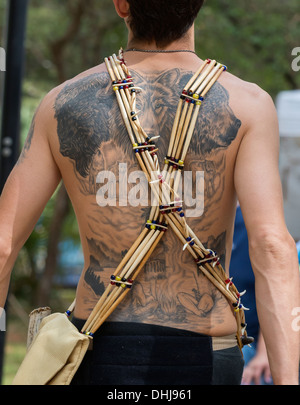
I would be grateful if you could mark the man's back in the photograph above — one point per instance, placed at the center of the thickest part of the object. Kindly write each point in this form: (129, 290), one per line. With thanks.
(77, 134)
(111, 198)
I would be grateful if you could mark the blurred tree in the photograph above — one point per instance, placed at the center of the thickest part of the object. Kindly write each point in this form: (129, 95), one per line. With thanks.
(255, 39)
(65, 38)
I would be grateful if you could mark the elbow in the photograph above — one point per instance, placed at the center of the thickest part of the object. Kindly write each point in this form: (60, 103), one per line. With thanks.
(271, 249)
(5, 250)
(271, 240)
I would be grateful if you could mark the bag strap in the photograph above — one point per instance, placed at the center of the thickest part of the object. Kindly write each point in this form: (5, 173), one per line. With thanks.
(167, 211)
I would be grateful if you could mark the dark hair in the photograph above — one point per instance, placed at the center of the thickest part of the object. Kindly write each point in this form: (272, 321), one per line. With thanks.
(163, 21)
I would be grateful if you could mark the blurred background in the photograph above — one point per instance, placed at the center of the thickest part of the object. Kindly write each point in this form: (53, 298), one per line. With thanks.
(258, 41)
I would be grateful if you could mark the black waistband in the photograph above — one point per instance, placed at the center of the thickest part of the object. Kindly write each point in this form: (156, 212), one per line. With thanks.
(134, 328)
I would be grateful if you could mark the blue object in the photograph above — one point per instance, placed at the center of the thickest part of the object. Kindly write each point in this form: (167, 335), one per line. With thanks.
(241, 271)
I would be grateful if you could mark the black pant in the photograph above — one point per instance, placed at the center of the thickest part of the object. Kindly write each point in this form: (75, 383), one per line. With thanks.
(141, 354)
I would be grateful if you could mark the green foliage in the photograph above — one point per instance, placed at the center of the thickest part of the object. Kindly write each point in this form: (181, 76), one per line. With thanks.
(88, 30)
(255, 39)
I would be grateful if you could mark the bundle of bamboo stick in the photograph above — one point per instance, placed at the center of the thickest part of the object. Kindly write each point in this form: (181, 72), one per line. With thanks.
(167, 208)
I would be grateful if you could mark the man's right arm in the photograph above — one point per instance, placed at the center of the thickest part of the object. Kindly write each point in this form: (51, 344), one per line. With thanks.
(27, 190)
(272, 250)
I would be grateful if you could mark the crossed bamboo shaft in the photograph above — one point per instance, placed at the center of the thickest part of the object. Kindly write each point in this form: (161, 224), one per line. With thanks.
(166, 210)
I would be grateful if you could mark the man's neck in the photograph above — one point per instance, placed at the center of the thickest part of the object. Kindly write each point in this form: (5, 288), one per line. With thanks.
(145, 61)
(187, 42)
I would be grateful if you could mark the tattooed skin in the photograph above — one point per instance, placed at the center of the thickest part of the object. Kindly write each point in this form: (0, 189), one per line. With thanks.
(28, 140)
(92, 136)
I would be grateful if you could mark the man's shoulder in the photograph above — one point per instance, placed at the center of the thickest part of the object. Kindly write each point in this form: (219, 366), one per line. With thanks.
(248, 93)
(65, 96)
(248, 99)
(80, 81)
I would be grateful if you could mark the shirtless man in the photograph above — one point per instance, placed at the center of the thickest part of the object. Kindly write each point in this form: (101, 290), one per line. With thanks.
(77, 134)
